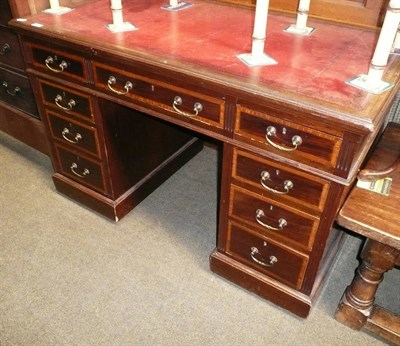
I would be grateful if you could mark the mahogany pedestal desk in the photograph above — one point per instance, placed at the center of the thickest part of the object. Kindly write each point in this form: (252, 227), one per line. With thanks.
(124, 110)
(375, 216)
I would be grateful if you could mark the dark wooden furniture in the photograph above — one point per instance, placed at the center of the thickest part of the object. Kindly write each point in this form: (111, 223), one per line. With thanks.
(375, 216)
(367, 13)
(19, 116)
(122, 112)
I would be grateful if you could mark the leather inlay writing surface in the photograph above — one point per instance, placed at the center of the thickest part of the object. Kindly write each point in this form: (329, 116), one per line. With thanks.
(206, 38)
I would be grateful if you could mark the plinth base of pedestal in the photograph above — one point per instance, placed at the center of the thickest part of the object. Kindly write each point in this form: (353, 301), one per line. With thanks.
(361, 82)
(260, 60)
(126, 26)
(180, 6)
(293, 29)
(59, 11)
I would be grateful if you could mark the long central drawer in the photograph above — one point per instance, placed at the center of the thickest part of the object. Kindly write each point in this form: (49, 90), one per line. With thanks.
(197, 107)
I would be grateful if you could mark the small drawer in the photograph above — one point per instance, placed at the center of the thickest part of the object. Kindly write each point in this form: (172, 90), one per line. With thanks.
(58, 63)
(287, 139)
(266, 257)
(16, 90)
(10, 50)
(73, 133)
(280, 182)
(277, 221)
(66, 100)
(159, 95)
(81, 169)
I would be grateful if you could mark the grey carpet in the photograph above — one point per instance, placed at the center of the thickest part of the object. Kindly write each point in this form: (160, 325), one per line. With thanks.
(70, 277)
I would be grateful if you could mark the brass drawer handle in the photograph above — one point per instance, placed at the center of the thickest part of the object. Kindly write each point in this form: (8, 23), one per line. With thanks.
(62, 66)
(287, 184)
(5, 49)
(271, 132)
(272, 259)
(197, 107)
(281, 222)
(14, 92)
(84, 173)
(75, 139)
(112, 80)
(71, 103)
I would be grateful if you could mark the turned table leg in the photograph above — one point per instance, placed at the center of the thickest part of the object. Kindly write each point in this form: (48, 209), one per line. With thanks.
(358, 300)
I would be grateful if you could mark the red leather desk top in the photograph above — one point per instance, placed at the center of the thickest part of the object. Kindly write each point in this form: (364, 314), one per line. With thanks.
(206, 38)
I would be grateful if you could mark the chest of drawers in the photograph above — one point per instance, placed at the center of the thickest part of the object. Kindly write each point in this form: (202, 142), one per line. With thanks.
(119, 110)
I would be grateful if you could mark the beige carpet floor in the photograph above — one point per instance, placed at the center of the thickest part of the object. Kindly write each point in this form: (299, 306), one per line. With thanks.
(70, 277)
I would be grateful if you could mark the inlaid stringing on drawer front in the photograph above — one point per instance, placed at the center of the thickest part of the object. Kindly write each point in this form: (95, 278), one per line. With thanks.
(286, 138)
(66, 100)
(277, 181)
(275, 220)
(191, 105)
(266, 256)
(74, 134)
(81, 169)
(58, 63)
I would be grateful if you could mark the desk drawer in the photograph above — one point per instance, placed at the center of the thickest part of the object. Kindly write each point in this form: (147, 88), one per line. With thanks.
(81, 169)
(66, 100)
(273, 180)
(180, 102)
(275, 220)
(10, 50)
(266, 257)
(73, 133)
(16, 90)
(58, 63)
(287, 139)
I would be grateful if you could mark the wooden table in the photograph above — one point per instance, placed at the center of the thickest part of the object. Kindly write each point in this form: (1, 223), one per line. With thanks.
(374, 216)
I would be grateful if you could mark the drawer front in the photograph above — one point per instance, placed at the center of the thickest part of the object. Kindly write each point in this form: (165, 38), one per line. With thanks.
(266, 257)
(66, 100)
(16, 90)
(58, 63)
(274, 180)
(81, 169)
(182, 103)
(73, 133)
(275, 220)
(287, 139)
(10, 50)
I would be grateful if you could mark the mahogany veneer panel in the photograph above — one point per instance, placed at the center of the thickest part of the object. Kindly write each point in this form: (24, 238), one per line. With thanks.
(299, 232)
(289, 266)
(73, 133)
(308, 191)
